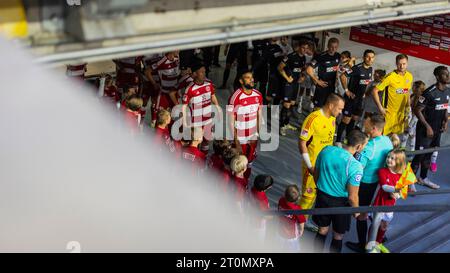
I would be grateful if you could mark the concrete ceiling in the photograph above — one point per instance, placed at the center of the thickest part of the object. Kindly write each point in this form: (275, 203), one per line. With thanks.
(106, 29)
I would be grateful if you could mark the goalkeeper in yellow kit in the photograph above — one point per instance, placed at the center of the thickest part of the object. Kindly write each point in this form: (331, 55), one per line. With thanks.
(317, 132)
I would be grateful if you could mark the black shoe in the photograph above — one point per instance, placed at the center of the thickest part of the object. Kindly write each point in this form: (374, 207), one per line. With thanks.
(355, 247)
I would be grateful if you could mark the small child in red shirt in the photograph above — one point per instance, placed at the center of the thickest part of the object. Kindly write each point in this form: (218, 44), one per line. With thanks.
(291, 226)
(215, 161)
(387, 194)
(260, 202)
(225, 174)
(192, 154)
(133, 117)
(162, 132)
(238, 167)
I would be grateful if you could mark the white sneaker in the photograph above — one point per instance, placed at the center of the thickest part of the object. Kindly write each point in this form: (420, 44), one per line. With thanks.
(427, 182)
(290, 127)
(283, 130)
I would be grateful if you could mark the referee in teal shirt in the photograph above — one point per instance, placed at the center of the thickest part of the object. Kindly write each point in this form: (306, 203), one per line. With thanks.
(337, 175)
(372, 158)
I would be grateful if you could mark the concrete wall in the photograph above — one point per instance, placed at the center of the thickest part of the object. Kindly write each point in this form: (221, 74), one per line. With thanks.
(385, 59)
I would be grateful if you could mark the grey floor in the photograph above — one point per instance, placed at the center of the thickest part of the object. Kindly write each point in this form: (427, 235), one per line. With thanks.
(409, 232)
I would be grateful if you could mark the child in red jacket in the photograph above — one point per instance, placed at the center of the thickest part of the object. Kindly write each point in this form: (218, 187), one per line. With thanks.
(387, 194)
(291, 225)
(260, 202)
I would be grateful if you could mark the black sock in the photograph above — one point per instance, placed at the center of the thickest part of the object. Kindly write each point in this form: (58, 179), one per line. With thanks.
(336, 246)
(350, 127)
(288, 115)
(424, 170)
(361, 228)
(226, 75)
(340, 131)
(319, 242)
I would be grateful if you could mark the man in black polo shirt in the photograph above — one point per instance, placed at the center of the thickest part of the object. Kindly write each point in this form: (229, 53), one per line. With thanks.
(432, 112)
(260, 72)
(355, 82)
(291, 72)
(273, 56)
(327, 64)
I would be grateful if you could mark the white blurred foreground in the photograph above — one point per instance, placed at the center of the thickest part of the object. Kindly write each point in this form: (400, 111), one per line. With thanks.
(72, 176)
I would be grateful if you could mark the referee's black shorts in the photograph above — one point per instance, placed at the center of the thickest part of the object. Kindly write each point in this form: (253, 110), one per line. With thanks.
(366, 193)
(340, 222)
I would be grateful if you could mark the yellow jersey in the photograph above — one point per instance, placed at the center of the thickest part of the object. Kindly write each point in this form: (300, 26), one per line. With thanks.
(398, 92)
(318, 132)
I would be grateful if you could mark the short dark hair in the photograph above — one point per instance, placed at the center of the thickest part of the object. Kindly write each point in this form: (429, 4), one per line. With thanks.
(377, 120)
(333, 40)
(381, 72)
(333, 98)
(355, 137)
(228, 155)
(196, 66)
(346, 54)
(438, 70)
(400, 57)
(291, 193)
(368, 51)
(243, 72)
(220, 145)
(262, 182)
(303, 42)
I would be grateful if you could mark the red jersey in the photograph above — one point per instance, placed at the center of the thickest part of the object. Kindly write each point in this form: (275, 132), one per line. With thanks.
(245, 108)
(386, 177)
(260, 202)
(183, 83)
(288, 223)
(168, 72)
(133, 120)
(195, 156)
(129, 65)
(240, 184)
(128, 70)
(215, 162)
(149, 61)
(198, 98)
(224, 179)
(163, 138)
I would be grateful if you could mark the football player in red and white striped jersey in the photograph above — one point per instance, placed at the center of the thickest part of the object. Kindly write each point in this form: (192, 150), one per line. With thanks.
(244, 108)
(149, 90)
(127, 71)
(199, 95)
(168, 70)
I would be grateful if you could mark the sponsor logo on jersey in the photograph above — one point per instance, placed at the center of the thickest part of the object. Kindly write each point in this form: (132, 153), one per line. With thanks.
(421, 99)
(358, 178)
(365, 82)
(443, 106)
(402, 91)
(332, 69)
(304, 133)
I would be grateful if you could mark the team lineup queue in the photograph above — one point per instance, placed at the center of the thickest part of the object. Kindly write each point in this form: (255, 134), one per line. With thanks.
(351, 144)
